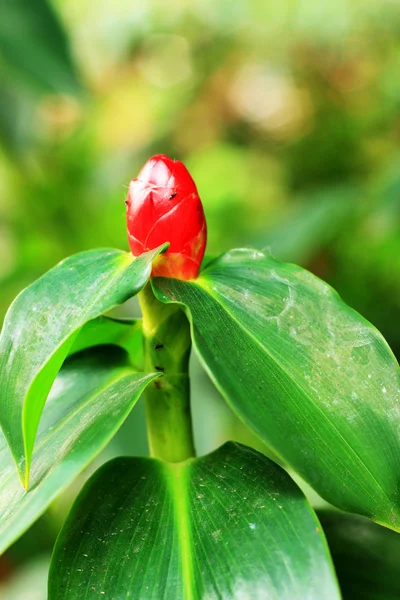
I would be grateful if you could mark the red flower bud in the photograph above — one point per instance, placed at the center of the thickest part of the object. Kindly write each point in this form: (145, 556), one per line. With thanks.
(163, 206)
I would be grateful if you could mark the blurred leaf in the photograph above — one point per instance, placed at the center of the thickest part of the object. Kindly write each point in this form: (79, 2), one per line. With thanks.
(367, 258)
(228, 525)
(311, 225)
(330, 151)
(91, 397)
(307, 373)
(366, 556)
(16, 115)
(41, 326)
(34, 46)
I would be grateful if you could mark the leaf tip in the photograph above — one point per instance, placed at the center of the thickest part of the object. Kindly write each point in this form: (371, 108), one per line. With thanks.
(23, 475)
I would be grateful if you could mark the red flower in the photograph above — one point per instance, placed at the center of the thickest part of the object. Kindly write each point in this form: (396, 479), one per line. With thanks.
(163, 206)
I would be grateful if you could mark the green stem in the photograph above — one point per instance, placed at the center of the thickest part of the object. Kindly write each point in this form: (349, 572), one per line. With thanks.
(167, 346)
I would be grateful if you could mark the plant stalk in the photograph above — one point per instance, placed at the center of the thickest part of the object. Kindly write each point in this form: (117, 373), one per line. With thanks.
(167, 345)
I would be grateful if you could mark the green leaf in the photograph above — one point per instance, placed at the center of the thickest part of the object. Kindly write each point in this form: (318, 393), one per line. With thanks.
(366, 556)
(229, 525)
(40, 328)
(17, 114)
(307, 373)
(34, 46)
(125, 333)
(91, 397)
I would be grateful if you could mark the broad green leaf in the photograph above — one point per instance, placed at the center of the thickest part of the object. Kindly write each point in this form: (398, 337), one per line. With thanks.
(34, 46)
(40, 328)
(307, 373)
(125, 333)
(91, 397)
(366, 556)
(226, 526)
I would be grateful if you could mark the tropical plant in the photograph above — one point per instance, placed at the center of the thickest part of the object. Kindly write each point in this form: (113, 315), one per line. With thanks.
(312, 378)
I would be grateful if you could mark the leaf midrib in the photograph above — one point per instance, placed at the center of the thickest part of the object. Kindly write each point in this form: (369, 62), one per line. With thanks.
(177, 480)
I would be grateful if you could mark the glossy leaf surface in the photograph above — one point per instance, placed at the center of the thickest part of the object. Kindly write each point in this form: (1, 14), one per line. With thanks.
(40, 328)
(229, 525)
(307, 373)
(366, 556)
(125, 333)
(91, 397)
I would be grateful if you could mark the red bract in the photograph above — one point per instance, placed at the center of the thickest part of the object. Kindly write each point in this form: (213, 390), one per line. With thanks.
(163, 205)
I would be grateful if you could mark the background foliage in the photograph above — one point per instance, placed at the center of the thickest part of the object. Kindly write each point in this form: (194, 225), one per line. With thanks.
(287, 115)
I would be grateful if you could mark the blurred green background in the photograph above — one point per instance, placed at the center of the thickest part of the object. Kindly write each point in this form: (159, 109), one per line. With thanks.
(286, 113)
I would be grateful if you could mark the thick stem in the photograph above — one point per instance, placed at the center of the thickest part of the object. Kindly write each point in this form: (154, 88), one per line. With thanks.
(167, 349)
